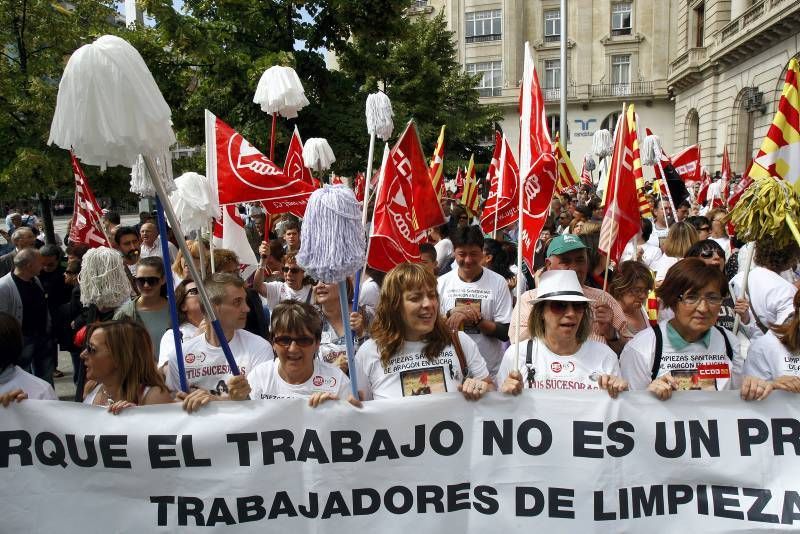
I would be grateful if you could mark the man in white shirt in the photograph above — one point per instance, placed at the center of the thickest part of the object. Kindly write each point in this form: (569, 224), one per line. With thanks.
(660, 225)
(151, 244)
(207, 370)
(476, 300)
(640, 249)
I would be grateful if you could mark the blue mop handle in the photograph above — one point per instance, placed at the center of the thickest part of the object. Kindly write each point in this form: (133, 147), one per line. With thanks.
(348, 337)
(173, 307)
(356, 290)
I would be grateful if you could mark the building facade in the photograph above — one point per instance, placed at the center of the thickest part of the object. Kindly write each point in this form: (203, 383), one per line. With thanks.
(618, 51)
(728, 73)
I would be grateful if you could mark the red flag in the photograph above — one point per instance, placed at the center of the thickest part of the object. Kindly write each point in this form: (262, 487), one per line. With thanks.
(720, 200)
(687, 163)
(359, 185)
(459, 183)
(702, 194)
(586, 176)
(407, 155)
(243, 174)
(621, 220)
(502, 203)
(537, 165)
(294, 167)
(86, 224)
(393, 240)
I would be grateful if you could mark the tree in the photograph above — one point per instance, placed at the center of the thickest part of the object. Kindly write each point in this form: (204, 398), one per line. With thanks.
(36, 37)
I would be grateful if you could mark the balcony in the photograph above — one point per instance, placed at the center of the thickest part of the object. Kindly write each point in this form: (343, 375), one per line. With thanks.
(686, 69)
(620, 90)
(553, 94)
(763, 24)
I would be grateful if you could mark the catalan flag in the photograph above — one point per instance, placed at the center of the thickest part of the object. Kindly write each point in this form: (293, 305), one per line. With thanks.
(644, 206)
(779, 154)
(436, 167)
(471, 198)
(567, 175)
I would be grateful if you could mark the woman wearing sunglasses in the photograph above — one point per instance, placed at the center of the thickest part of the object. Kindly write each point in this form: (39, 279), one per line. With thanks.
(333, 349)
(295, 285)
(559, 354)
(190, 316)
(689, 351)
(412, 351)
(150, 308)
(296, 371)
(120, 367)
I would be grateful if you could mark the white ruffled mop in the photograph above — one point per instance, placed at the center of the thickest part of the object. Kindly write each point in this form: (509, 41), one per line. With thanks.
(109, 110)
(317, 155)
(194, 204)
(279, 92)
(651, 154)
(102, 279)
(332, 247)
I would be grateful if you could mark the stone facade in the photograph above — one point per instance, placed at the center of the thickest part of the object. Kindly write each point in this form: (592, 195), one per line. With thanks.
(617, 51)
(727, 78)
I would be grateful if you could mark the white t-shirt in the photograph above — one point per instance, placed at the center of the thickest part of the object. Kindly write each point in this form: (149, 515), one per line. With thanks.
(549, 370)
(771, 296)
(206, 366)
(768, 358)
(650, 254)
(490, 293)
(662, 265)
(694, 367)
(444, 250)
(657, 235)
(16, 378)
(725, 243)
(370, 294)
(167, 343)
(278, 291)
(266, 382)
(410, 373)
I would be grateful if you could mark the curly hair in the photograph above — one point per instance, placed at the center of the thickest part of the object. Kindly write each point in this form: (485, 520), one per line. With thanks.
(775, 258)
(627, 275)
(388, 329)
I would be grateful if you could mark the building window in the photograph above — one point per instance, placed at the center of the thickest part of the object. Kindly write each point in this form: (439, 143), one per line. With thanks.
(621, 18)
(483, 26)
(419, 4)
(491, 80)
(552, 25)
(610, 122)
(552, 79)
(692, 128)
(621, 74)
(699, 24)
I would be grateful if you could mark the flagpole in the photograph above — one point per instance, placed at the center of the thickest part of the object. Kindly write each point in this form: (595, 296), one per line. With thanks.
(378, 187)
(211, 246)
(616, 191)
(499, 188)
(562, 120)
(368, 179)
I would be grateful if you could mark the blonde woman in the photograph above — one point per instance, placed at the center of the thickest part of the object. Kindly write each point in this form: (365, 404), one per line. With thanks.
(679, 240)
(181, 269)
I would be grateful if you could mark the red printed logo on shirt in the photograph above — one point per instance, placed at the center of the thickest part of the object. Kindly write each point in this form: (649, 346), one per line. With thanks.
(189, 358)
(556, 367)
(713, 370)
(318, 380)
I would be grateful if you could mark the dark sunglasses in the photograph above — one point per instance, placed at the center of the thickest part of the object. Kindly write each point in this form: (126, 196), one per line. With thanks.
(293, 270)
(151, 281)
(705, 228)
(560, 306)
(707, 254)
(286, 341)
(192, 291)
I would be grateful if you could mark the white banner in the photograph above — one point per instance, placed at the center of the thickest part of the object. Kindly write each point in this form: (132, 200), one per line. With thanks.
(557, 461)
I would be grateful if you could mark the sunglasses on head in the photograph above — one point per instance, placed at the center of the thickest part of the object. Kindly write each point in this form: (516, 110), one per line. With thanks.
(293, 270)
(286, 341)
(707, 254)
(151, 281)
(560, 306)
(192, 291)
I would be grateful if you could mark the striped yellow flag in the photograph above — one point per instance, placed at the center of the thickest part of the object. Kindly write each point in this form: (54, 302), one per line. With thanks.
(437, 165)
(567, 175)
(644, 206)
(471, 198)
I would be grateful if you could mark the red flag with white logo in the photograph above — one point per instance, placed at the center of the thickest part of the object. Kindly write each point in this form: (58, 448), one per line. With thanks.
(687, 163)
(86, 224)
(241, 173)
(359, 184)
(721, 200)
(502, 205)
(229, 233)
(538, 192)
(294, 167)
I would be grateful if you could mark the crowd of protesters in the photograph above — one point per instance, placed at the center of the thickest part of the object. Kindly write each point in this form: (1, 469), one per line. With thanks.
(674, 307)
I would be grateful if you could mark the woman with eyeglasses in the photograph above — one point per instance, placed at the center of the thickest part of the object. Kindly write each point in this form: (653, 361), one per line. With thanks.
(412, 351)
(712, 254)
(630, 286)
(333, 347)
(775, 356)
(296, 371)
(689, 351)
(190, 316)
(120, 367)
(295, 286)
(559, 354)
(150, 308)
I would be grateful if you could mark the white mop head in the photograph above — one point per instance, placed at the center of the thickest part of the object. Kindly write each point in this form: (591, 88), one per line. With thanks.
(193, 201)
(317, 154)
(601, 143)
(379, 115)
(109, 109)
(140, 179)
(332, 243)
(102, 278)
(651, 150)
(280, 91)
